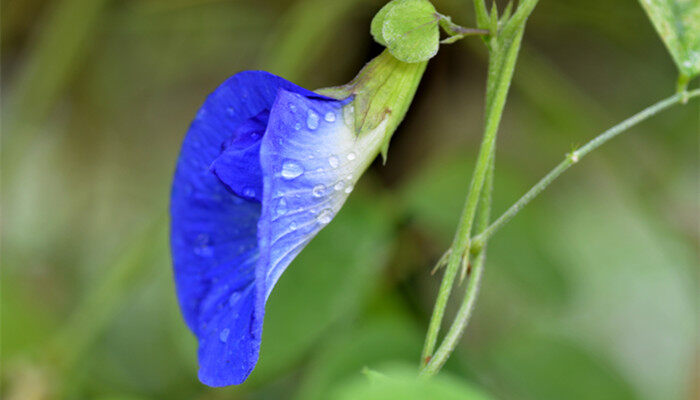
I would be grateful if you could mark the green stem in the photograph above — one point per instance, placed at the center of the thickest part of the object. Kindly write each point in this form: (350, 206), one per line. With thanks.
(575, 156)
(455, 31)
(472, 290)
(461, 320)
(504, 55)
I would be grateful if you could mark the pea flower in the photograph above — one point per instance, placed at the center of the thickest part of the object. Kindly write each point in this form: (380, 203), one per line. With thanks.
(264, 167)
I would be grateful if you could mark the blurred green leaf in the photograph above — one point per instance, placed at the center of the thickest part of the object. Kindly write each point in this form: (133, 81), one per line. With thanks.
(402, 383)
(540, 368)
(306, 30)
(442, 180)
(678, 24)
(633, 285)
(389, 338)
(326, 284)
(409, 29)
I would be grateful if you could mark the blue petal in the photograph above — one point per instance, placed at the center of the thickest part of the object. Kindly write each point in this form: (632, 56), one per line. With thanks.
(214, 231)
(311, 158)
(238, 166)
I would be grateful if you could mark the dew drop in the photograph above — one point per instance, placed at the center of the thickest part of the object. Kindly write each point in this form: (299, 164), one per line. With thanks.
(297, 126)
(282, 207)
(249, 192)
(223, 335)
(235, 296)
(203, 248)
(339, 186)
(333, 161)
(317, 191)
(293, 226)
(349, 115)
(351, 156)
(348, 189)
(330, 116)
(204, 251)
(312, 120)
(325, 216)
(291, 170)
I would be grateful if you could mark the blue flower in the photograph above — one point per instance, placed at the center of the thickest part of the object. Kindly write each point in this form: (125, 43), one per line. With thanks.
(264, 167)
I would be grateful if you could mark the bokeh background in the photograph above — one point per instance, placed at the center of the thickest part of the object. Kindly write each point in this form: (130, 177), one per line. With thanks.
(590, 293)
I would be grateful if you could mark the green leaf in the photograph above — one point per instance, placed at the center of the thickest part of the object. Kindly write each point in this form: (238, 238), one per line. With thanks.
(390, 338)
(530, 366)
(402, 383)
(678, 24)
(410, 30)
(630, 283)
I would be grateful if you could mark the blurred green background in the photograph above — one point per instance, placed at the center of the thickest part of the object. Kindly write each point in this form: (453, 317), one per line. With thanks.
(590, 293)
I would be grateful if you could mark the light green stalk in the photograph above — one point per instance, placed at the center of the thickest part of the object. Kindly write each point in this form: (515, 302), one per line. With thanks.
(504, 49)
(575, 156)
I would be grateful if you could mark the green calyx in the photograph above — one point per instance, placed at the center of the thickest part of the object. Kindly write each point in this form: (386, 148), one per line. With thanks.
(383, 90)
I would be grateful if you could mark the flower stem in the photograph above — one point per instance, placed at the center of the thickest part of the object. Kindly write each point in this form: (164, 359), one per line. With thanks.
(573, 157)
(504, 51)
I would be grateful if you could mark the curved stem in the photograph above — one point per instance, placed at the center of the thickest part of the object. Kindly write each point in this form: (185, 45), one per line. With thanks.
(504, 54)
(472, 290)
(461, 320)
(465, 311)
(573, 157)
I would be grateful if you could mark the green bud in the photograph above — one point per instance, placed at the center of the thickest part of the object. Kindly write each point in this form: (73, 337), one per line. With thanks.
(409, 29)
(383, 91)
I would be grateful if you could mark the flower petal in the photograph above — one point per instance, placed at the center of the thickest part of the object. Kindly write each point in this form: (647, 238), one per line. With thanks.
(238, 166)
(214, 231)
(311, 159)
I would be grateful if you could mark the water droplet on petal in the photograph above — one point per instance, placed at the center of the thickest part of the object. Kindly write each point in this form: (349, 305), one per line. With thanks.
(297, 126)
(223, 335)
(325, 216)
(333, 161)
(292, 107)
(349, 115)
(291, 170)
(249, 192)
(312, 120)
(330, 116)
(203, 248)
(318, 190)
(339, 186)
(351, 156)
(235, 296)
(203, 251)
(282, 207)
(293, 226)
(348, 189)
